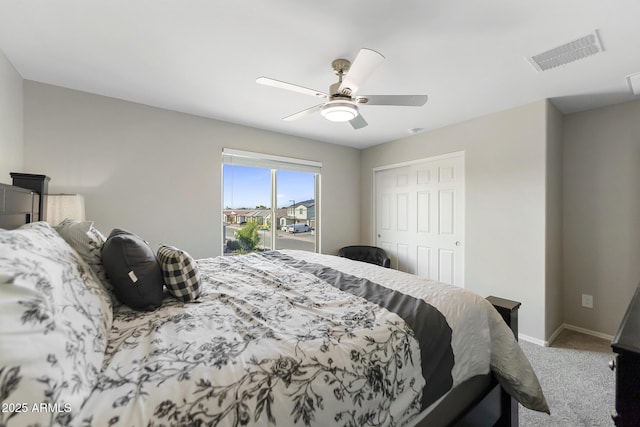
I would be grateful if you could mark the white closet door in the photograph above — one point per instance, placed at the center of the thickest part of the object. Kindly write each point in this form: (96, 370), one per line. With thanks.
(420, 217)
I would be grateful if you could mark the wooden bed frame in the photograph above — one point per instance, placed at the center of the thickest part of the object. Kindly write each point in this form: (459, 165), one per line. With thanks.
(482, 403)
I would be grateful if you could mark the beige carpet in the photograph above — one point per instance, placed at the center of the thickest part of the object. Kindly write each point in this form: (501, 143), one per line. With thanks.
(576, 380)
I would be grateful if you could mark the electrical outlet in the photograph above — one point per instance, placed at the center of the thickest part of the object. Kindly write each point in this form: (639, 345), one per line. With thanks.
(587, 301)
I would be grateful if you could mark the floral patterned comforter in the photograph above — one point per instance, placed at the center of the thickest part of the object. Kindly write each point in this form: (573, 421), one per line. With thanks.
(265, 345)
(272, 344)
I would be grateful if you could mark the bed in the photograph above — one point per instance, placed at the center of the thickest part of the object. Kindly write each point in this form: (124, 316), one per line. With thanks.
(274, 338)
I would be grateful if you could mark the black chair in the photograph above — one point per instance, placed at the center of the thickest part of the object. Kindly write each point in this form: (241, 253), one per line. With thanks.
(370, 254)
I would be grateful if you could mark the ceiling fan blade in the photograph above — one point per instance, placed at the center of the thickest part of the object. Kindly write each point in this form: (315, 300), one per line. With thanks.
(290, 86)
(303, 113)
(362, 67)
(358, 122)
(400, 100)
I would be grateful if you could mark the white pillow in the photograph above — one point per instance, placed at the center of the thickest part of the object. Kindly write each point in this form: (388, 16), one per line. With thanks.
(54, 323)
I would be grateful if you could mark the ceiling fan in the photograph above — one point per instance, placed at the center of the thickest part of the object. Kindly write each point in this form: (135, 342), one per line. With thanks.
(342, 101)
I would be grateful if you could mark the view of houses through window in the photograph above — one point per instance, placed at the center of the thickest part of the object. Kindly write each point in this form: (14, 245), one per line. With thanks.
(268, 208)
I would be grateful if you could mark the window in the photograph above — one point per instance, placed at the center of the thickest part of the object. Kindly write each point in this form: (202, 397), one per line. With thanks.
(269, 202)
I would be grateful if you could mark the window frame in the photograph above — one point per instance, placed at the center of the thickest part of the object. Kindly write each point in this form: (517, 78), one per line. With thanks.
(236, 157)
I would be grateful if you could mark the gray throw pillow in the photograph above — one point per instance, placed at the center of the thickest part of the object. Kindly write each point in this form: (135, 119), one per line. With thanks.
(87, 240)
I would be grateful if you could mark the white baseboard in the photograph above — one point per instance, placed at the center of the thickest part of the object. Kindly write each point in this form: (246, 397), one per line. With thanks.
(533, 340)
(547, 343)
(588, 332)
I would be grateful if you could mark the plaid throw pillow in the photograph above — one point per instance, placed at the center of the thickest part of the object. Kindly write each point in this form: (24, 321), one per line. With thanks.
(180, 271)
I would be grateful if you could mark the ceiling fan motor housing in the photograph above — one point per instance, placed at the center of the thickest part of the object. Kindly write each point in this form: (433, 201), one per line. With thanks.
(335, 93)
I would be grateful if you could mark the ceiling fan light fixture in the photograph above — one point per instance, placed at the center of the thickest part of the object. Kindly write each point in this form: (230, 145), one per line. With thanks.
(339, 111)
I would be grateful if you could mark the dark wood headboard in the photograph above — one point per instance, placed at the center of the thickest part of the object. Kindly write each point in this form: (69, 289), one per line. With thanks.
(18, 206)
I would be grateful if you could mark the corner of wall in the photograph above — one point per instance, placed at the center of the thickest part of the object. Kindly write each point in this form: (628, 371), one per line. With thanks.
(553, 221)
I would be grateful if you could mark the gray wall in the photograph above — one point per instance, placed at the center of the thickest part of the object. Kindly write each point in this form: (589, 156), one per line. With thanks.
(158, 172)
(505, 162)
(11, 125)
(601, 214)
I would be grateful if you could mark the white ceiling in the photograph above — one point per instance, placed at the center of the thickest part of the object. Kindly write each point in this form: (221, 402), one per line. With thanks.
(203, 56)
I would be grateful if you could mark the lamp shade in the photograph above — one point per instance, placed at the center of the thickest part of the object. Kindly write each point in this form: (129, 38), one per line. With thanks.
(61, 206)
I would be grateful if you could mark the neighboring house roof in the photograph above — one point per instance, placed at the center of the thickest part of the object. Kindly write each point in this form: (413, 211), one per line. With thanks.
(306, 203)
